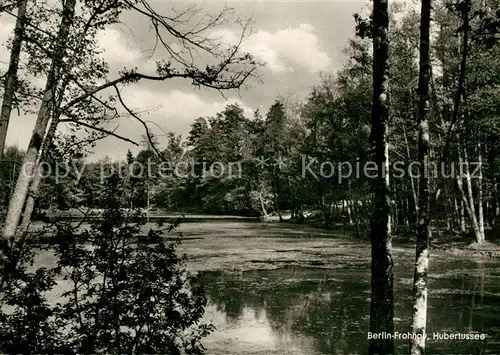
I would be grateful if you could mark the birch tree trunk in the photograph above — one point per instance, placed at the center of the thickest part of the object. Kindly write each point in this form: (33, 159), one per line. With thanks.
(412, 183)
(19, 196)
(56, 114)
(465, 200)
(11, 75)
(419, 310)
(382, 296)
(472, 214)
(480, 214)
(37, 179)
(495, 205)
(462, 216)
(458, 214)
(266, 215)
(448, 212)
(468, 181)
(387, 183)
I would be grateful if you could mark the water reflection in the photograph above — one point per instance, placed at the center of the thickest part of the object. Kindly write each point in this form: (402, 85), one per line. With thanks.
(296, 310)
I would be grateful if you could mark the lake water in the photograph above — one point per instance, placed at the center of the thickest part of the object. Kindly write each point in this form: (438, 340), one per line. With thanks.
(267, 294)
(297, 310)
(276, 288)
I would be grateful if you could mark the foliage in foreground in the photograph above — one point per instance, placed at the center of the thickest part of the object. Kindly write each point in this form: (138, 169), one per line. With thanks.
(120, 292)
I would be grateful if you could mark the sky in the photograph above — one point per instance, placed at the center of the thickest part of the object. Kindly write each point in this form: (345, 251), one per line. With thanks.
(296, 39)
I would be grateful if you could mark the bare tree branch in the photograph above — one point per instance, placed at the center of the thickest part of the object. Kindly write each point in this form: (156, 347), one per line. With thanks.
(102, 130)
(90, 140)
(134, 115)
(106, 105)
(213, 78)
(193, 37)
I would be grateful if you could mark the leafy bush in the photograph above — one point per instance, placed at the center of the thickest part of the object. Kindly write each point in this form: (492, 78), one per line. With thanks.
(119, 291)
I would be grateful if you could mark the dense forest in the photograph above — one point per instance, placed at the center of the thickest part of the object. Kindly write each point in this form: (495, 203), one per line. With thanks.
(402, 142)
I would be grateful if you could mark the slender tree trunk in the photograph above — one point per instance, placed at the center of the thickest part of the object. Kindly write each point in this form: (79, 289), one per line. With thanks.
(465, 200)
(405, 204)
(488, 215)
(468, 181)
(276, 194)
(11, 75)
(147, 199)
(419, 311)
(494, 205)
(30, 201)
(349, 211)
(472, 208)
(37, 179)
(263, 206)
(462, 216)
(387, 180)
(401, 200)
(458, 219)
(35, 184)
(497, 205)
(412, 183)
(382, 294)
(480, 214)
(20, 193)
(394, 209)
(448, 217)
(497, 198)
(406, 211)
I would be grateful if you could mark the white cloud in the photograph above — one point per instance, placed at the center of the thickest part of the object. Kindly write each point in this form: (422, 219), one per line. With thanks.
(284, 49)
(174, 111)
(176, 105)
(113, 43)
(120, 51)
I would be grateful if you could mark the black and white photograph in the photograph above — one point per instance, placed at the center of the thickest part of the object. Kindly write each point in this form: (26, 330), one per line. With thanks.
(250, 177)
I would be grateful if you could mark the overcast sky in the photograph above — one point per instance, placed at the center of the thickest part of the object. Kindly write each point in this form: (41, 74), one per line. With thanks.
(297, 39)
